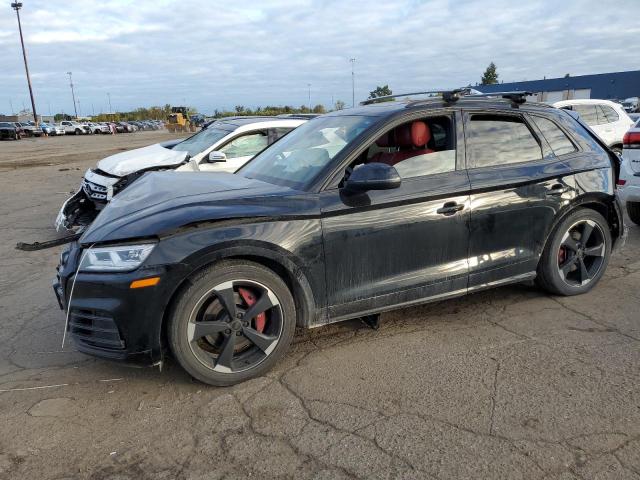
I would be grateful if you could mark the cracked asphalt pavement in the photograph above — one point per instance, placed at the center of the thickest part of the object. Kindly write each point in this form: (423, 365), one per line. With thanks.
(509, 383)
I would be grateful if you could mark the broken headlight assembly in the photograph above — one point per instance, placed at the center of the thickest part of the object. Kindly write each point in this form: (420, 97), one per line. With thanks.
(117, 258)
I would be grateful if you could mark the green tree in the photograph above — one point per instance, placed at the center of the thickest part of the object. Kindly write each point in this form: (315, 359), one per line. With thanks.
(319, 109)
(383, 91)
(240, 109)
(490, 75)
(339, 105)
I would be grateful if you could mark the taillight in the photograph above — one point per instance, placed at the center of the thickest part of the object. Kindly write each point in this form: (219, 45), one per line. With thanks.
(631, 140)
(621, 182)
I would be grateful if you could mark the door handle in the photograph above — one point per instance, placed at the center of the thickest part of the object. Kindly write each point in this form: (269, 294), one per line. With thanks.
(450, 208)
(557, 189)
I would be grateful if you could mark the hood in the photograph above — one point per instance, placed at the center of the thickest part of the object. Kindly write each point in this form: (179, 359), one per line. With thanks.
(132, 161)
(161, 202)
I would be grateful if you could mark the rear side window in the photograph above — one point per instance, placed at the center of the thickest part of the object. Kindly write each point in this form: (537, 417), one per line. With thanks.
(500, 140)
(556, 138)
(277, 133)
(588, 114)
(607, 114)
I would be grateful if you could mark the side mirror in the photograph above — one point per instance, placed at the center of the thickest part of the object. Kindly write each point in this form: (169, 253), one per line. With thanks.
(216, 156)
(372, 176)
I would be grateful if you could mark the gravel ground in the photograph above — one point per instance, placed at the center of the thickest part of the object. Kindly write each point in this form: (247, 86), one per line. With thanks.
(509, 383)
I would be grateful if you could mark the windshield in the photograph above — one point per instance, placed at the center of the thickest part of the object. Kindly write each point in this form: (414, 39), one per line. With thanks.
(201, 141)
(5, 124)
(298, 157)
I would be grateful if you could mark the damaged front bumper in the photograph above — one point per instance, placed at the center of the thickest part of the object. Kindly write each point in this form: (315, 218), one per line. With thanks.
(83, 206)
(109, 319)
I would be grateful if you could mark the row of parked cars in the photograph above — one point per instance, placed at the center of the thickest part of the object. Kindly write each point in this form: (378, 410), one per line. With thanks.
(18, 130)
(214, 248)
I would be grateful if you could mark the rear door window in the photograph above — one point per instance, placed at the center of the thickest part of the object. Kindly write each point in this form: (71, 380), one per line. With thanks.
(276, 134)
(588, 114)
(499, 140)
(555, 137)
(608, 114)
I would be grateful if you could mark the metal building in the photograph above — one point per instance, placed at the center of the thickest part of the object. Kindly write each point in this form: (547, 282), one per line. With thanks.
(608, 86)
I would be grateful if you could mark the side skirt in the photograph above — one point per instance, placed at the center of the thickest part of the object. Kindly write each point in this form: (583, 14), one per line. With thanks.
(420, 301)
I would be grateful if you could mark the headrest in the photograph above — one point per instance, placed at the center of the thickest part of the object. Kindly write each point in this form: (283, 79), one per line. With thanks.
(414, 134)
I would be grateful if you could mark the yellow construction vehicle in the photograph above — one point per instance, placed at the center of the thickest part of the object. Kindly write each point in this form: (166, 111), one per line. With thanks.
(179, 121)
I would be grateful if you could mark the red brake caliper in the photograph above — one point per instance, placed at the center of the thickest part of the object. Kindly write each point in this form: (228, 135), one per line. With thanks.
(562, 255)
(250, 299)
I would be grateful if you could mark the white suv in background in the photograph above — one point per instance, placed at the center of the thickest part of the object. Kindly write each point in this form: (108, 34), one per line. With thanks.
(607, 119)
(223, 146)
(629, 182)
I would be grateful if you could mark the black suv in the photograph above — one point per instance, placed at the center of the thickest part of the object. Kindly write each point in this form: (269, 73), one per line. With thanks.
(355, 212)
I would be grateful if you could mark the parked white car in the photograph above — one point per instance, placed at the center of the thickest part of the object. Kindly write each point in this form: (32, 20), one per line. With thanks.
(74, 128)
(99, 128)
(607, 119)
(629, 182)
(224, 146)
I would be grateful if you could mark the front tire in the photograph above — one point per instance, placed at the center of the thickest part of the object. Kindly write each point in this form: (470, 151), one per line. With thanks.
(633, 209)
(233, 322)
(576, 254)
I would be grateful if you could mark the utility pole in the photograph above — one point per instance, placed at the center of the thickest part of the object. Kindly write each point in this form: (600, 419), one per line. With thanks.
(353, 82)
(73, 95)
(79, 109)
(17, 6)
(109, 97)
(12, 110)
(309, 87)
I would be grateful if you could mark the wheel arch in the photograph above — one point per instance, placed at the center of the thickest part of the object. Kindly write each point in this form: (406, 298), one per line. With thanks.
(268, 256)
(604, 204)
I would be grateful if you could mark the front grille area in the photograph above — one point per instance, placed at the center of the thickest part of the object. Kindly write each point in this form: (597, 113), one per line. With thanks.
(94, 191)
(95, 328)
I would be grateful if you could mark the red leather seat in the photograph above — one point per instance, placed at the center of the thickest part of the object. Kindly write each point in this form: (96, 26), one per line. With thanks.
(411, 140)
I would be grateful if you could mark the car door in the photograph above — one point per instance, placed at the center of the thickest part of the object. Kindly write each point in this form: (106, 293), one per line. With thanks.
(396, 247)
(518, 185)
(238, 151)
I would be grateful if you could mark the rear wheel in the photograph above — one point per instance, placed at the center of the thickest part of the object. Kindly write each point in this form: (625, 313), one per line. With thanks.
(633, 209)
(232, 323)
(576, 254)
(78, 131)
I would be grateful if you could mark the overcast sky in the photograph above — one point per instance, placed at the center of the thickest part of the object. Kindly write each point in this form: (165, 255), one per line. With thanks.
(212, 54)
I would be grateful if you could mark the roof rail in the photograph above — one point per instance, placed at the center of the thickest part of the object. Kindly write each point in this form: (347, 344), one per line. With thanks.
(449, 96)
(516, 96)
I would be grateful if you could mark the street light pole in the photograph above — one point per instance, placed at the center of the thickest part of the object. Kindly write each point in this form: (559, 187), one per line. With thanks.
(109, 97)
(73, 95)
(17, 6)
(309, 87)
(353, 82)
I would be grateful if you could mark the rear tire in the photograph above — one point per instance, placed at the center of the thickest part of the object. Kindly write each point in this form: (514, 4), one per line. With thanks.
(576, 254)
(633, 209)
(213, 331)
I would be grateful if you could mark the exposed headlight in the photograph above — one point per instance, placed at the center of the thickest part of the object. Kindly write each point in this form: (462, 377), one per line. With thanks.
(115, 259)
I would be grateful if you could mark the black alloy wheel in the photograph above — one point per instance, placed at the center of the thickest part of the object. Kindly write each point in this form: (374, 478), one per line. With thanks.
(576, 254)
(235, 326)
(232, 323)
(581, 253)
